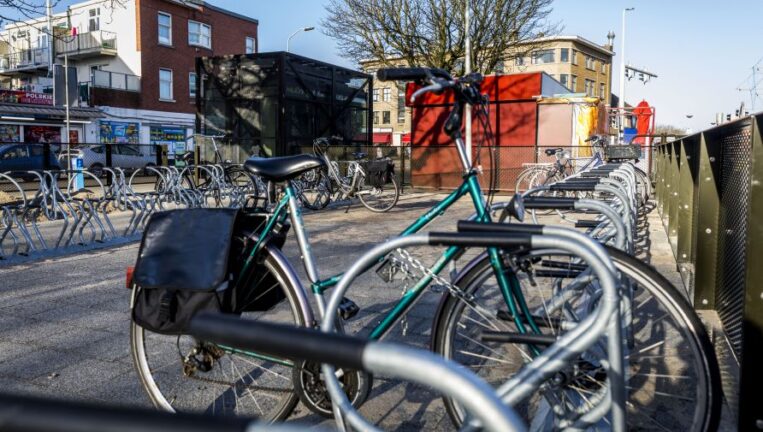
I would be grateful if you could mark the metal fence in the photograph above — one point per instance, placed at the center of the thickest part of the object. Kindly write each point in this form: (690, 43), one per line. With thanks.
(710, 197)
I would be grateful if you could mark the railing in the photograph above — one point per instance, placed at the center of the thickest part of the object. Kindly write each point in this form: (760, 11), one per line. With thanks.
(24, 59)
(709, 190)
(90, 42)
(115, 80)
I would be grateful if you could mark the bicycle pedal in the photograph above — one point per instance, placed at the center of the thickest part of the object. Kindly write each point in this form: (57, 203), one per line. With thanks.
(348, 309)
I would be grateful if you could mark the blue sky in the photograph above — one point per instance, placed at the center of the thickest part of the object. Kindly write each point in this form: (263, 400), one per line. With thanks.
(702, 50)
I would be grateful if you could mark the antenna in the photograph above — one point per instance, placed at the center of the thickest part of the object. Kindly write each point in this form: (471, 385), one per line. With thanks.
(752, 82)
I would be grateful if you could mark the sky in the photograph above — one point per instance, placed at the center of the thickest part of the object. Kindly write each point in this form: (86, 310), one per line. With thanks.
(701, 50)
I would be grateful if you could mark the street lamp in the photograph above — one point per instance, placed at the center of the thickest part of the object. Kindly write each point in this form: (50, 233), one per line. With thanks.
(621, 102)
(303, 29)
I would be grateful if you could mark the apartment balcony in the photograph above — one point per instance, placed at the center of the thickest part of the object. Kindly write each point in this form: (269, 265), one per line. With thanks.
(24, 61)
(87, 45)
(111, 89)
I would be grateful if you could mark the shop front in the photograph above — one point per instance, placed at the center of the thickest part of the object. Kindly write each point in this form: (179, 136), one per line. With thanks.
(39, 124)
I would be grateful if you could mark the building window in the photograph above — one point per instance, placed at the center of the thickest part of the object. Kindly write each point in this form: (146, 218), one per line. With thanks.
(165, 84)
(499, 67)
(385, 117)
(199, 34)
(590, 63)
(574, 83)
(519, 61)
(590, 88)
(387, 94)
(565, 80)
(376, 117)
(565, 55)
(575, 57)
(192, 85)
(94, 24)
(375, 95)
(401, 105)
(249, 48)
(165, 28)
(603, 67)
(603, 91)
(543, 56)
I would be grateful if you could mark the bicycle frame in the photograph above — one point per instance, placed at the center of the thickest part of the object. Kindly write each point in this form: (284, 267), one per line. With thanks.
(509, 286)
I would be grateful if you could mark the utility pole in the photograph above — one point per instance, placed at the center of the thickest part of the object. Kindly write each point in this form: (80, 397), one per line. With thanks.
(468, 70)
(621, 101)
(51, 70)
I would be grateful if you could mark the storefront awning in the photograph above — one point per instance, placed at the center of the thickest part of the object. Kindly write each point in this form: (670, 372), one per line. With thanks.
(382, 138)
(48, 111)
(405, 138)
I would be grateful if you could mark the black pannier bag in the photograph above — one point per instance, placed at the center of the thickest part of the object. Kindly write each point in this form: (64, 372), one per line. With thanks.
(190, 261)
(379, 172)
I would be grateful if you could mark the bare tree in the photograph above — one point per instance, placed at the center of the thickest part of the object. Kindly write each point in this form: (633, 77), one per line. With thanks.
(431, 32)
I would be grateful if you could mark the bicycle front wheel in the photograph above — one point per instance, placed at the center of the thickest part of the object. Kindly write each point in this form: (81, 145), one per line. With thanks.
(181, 374)
(380, 199)
(672, 380)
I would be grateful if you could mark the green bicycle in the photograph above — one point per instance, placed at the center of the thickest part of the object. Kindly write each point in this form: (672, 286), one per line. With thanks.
(496, 290)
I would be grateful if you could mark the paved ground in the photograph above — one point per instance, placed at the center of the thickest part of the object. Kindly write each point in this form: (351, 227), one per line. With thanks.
(64, 322)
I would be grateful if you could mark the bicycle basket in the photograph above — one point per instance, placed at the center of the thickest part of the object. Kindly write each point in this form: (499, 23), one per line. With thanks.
(379, 172)
(622, 152)
(178, 275)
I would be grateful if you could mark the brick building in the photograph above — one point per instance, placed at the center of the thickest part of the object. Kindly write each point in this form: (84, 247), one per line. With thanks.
(134, 60)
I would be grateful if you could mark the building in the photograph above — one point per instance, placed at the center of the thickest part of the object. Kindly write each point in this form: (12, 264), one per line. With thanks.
(578, 64)
(134, 60)
(277, 103)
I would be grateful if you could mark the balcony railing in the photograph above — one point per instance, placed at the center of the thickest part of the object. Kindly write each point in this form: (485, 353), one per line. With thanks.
(35, 58)
(115, 80)
(90, 44)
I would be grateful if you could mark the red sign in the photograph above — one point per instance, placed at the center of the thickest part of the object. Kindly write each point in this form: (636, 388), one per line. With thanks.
(22, 97)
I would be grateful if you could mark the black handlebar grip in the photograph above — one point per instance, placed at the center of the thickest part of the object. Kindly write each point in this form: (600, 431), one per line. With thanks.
(549, 203)
(478, 239)
(410, 74)
(503, 228)
(28, 413)
(580, 187)
(279, 340)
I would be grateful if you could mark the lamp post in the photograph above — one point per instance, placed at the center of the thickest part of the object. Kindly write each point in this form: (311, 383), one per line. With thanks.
(303, 29)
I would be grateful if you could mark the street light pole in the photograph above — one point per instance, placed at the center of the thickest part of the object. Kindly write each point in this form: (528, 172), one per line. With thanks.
(304, 29)
(621, 101)
(468, 70)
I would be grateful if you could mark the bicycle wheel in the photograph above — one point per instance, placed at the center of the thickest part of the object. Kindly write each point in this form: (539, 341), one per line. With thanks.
(380, 199)
(672, 375)
(246, 185)
(315, 191)
(181, 374)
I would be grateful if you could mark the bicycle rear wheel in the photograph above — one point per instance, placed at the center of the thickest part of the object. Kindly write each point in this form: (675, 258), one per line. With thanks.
(380, 199)
(181, 374)
(315, 191)
(672, 375)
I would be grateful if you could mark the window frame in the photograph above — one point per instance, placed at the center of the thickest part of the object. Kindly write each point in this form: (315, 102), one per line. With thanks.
(562, 52)
(96, 17)
(603, 90)
(376, 117)
(574, 83)
(386, 94)
(574, 58)
(386, 117)
(519, 61)
(375, 95)
(246, 45)
(535, 56)
(201, 25)
(192, 88)
(401, 105)
(159, 26)
(564, 79)
(172, 85)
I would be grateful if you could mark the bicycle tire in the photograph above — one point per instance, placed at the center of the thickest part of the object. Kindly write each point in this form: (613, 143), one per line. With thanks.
(386, 207)
(323, 188)
(164, 399)
(707, 410)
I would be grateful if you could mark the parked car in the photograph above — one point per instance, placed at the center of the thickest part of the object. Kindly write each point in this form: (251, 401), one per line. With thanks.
(20, 158)
(122, 156)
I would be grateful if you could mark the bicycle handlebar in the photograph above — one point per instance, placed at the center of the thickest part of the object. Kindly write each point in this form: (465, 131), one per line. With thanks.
(281, 341)
(411, 74)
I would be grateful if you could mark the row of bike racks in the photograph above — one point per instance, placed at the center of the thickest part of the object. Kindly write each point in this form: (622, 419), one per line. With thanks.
(81, 216)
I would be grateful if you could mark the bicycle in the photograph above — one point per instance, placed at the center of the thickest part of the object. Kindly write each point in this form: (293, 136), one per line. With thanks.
(282, 383)
(372, 182)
